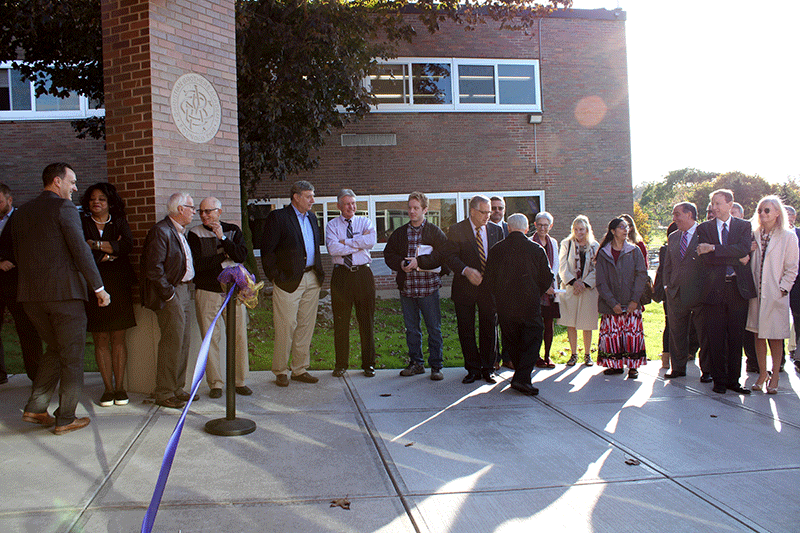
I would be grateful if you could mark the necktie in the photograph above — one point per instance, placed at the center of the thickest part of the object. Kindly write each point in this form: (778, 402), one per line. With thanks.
(729, 271)
(684, 243)
(348, 259)
(481, 251)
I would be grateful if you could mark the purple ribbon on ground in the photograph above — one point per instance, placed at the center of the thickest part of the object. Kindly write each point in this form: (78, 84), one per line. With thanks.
(244, 280)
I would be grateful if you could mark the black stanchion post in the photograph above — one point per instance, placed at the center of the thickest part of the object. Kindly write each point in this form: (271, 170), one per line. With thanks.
(230, 425)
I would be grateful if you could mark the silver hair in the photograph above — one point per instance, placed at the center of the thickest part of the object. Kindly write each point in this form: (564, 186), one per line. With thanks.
(518, 222)
(176, 199)
(477, 200)
(345, 193)
(545, 215)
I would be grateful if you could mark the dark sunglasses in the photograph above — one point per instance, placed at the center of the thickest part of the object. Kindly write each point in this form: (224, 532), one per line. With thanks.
(497, 208)
(763, 209)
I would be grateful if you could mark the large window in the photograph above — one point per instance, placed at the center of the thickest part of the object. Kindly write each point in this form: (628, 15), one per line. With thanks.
(18, 100)
(456, 84)
(388, 211)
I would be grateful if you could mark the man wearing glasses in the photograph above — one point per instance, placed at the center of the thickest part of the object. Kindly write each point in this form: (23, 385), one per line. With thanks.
(468, 247)
(216, 245)
(167, 269)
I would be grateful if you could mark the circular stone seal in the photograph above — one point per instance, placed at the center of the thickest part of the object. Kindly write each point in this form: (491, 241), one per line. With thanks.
(196, 110)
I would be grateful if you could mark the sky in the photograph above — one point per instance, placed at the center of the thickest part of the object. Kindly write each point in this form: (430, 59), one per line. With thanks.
(714, 85)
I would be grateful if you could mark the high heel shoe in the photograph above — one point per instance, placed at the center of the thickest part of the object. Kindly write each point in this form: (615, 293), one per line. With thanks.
(772, 390)
(757, 387)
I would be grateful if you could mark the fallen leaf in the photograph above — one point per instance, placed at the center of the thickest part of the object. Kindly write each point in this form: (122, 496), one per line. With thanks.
(385, 395)
(344, 503)
(409, 444)
(713, 416)
(631, 461)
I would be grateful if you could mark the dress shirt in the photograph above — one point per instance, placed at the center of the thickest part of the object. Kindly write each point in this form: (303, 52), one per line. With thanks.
(719, 227)
(5, 219)
(484, 239)
(364, 238)
(308, 236)
(690, 233)
(189, 275)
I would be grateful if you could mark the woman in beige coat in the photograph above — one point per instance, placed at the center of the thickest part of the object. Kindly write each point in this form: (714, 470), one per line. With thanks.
(774, 267)
(579, 301)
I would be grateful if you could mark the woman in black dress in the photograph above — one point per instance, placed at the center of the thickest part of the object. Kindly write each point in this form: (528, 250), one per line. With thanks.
(108, 235)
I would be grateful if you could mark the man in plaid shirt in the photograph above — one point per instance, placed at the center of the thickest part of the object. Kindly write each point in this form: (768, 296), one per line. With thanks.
(415, 252)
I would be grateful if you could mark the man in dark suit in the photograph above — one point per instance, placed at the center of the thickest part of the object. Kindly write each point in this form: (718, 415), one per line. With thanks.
(683, 283)
(517, 274)
(468, 244)
(29, 340)
(168, 268)
(291, 260)
(55, 265)
(724, 246)
(498, 214)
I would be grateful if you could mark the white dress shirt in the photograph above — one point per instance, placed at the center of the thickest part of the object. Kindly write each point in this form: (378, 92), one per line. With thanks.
(364, 238)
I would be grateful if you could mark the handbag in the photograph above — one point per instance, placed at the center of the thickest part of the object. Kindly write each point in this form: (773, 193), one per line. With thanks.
(647, 293)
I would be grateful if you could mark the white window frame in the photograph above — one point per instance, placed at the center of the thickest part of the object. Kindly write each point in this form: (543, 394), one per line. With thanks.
(83, 112)
(461, 198)
(457, 106)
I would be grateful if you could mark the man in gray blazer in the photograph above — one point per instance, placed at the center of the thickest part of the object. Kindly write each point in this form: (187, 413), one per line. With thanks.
(168, 268)
(55, 264)
(683, 289)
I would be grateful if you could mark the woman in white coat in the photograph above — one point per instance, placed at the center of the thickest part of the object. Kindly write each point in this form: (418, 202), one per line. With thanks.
(774, 267)
(578, 303)
(549, 304)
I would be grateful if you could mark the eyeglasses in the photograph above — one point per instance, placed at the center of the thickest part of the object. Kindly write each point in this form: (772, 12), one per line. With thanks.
(207, 211)
(763, 210)
(190, 207)
(498, 207)
(483, 212)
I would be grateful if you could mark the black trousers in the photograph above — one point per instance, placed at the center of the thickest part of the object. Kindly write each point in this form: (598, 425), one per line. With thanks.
(724, 328)
(476, 360)
(350, 289)
(29, 340)
(681, 323)
(522, 340)
(62, 326)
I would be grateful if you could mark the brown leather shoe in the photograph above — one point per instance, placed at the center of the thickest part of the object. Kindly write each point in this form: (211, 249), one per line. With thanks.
(172, 403)
(39, 418)
(305, 377)
(184, 396)
(282, 380)
(78, 423)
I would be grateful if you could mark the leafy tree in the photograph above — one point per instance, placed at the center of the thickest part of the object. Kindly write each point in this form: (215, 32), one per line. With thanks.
(747, 190)
(642, 222)
(658, 197)
(789, 192)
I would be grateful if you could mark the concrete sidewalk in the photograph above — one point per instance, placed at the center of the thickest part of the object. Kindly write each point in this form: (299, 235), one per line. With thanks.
(411, 454)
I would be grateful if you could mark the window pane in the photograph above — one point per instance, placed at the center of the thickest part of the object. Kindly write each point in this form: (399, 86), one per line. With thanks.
(5, 92)
(432, 83)
(476, 84)
(442, 212)
(389, 216)
(48, 102)
(517, 84)
(390, 84)
(527, 205)
(20, 92)
(318, 210)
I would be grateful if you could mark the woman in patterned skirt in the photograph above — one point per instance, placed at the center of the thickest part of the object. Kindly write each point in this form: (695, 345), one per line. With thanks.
(621, 278)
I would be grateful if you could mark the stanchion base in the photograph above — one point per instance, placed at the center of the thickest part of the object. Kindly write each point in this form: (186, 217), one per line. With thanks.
(230, 428)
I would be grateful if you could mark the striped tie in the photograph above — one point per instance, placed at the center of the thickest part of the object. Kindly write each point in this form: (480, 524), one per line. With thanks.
(481, 251)
(348, 259)
(684, 243)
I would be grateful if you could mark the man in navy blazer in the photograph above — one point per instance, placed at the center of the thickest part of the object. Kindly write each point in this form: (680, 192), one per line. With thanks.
(724, 246)
(468, 244)
(55, 266)
(291, 259)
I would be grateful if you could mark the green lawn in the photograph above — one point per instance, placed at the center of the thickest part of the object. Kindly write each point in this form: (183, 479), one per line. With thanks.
(389, 339)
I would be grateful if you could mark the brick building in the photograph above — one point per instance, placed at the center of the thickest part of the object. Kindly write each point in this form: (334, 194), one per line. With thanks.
(540, 119)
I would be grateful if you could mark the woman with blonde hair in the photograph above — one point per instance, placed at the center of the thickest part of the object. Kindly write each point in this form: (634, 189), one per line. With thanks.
(774, 267)
(579, 301)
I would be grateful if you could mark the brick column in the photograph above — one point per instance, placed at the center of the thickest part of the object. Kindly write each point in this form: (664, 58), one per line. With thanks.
(147, 46)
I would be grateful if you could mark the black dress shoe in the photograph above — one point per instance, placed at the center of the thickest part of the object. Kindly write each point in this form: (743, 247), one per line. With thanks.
(674, 374)
(338, 372)
(215, 393)
(525, 388)
(184, 396)
(369, 372)
(719, 389)
(706, 378)
(305, 377)
(486, 374)
(244, 390)
(470, 378)
(282, 380)
(738, 388)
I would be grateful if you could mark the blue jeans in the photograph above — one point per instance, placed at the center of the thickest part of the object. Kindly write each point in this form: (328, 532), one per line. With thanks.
(429, 307)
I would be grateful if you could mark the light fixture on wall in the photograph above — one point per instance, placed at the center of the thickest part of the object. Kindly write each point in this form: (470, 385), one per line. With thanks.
(535, 118)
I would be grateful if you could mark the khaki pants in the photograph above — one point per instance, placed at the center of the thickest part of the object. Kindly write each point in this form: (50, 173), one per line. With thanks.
(207, 305)
(294, 314)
